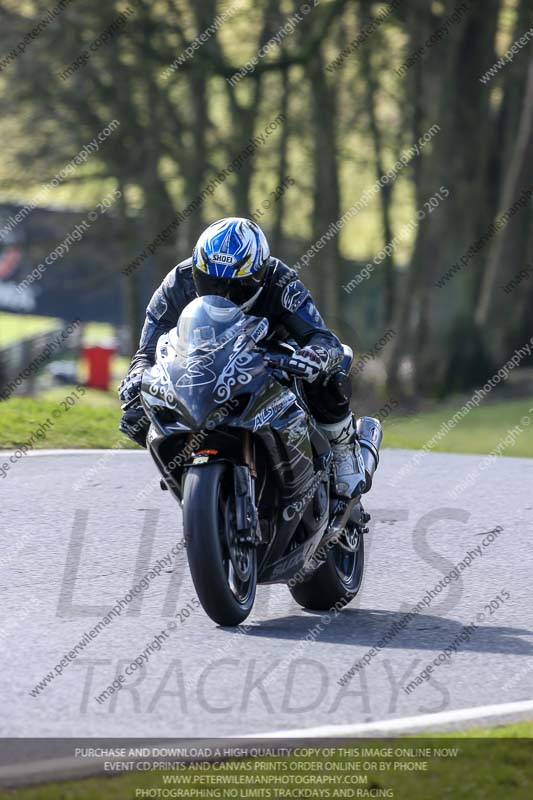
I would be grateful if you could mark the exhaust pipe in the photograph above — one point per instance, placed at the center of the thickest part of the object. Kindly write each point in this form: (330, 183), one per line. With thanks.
(369, 435)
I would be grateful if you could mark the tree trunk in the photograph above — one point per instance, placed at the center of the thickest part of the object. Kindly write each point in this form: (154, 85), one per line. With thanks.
(508, 253)
(447, 353)
(279, 208)
(385, 195)
(326, 200)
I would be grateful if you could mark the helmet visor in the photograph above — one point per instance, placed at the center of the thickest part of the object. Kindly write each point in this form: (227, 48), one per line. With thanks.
(238, 290)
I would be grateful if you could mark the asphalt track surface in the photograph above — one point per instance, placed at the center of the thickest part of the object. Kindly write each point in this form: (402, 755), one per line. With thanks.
(79, 530)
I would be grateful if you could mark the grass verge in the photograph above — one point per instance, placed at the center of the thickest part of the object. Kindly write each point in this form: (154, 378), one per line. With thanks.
(482, 431)
(14, 327)
(93, 423)
(20, 326)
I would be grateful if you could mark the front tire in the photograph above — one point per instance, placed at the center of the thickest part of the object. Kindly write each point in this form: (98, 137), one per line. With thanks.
(338, 580)
(224, 573)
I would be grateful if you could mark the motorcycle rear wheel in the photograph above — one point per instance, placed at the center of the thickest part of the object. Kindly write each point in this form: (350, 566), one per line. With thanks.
(338, 580)
(224, 572)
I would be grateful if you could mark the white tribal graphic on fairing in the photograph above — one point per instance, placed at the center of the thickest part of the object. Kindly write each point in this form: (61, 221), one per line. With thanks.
(235, 371)
(161, 386)
(197, 372)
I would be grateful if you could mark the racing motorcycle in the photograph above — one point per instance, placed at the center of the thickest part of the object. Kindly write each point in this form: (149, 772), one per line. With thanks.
(236, 445)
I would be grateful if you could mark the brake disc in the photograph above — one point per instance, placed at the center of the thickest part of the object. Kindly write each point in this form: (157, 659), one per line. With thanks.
(240, 555)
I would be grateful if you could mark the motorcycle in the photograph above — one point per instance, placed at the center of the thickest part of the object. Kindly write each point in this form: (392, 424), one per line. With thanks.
(235, 444)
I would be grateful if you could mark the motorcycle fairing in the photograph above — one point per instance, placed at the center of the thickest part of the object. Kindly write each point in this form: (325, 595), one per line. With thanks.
(210, 380)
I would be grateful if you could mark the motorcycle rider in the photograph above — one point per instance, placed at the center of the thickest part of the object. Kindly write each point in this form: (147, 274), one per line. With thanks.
(232, 259)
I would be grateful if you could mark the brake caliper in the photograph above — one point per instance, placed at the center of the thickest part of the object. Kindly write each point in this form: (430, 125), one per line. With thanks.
(246, 522)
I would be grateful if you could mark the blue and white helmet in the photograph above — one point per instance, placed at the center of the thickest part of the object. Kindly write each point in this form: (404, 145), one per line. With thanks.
(230, 259)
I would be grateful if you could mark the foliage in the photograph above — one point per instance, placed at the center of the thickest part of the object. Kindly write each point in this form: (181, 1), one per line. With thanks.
(350, 107)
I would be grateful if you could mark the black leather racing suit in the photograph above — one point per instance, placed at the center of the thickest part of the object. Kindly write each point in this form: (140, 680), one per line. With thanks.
(292, 315)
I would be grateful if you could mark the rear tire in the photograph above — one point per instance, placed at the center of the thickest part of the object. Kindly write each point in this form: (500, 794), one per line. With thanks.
(337, 580)
(226, 593)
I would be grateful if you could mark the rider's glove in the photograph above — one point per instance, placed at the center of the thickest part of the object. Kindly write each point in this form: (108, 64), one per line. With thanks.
(130, 388)
(135, 424)
(312, 360)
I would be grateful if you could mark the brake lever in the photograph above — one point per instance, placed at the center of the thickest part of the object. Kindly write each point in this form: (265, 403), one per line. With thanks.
(278, 362)
(274, 362)
(134, 403)
(270, 360)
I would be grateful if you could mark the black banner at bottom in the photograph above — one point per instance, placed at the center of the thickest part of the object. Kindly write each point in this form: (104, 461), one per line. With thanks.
(425, 768)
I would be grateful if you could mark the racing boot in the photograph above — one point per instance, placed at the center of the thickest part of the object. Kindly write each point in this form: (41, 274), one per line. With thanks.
(348, 465)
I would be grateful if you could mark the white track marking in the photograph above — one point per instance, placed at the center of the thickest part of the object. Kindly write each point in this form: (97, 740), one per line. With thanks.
(424, 722)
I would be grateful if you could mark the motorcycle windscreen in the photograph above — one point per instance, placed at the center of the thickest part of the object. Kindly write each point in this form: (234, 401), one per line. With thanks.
(205, 325)
(202, 358)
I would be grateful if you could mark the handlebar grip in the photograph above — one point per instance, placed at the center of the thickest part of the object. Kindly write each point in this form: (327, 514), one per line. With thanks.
(283, 363)
(276, 361)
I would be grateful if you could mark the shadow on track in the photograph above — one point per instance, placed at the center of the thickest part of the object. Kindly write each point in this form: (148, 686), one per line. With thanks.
(365, 627)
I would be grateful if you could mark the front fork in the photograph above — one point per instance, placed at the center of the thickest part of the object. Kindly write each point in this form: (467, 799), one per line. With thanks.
(247, 521)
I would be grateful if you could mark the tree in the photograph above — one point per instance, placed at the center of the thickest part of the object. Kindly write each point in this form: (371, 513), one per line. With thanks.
(499, 313)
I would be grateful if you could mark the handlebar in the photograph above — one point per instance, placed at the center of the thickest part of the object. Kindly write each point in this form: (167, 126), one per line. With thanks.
(282, 363)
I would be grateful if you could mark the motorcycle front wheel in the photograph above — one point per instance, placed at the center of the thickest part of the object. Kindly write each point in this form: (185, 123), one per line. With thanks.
(224, 571)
